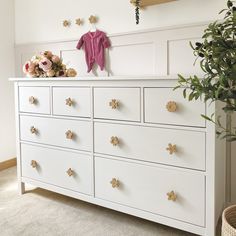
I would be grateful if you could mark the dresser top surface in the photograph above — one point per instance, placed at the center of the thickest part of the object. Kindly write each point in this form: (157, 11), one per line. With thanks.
(93, 78)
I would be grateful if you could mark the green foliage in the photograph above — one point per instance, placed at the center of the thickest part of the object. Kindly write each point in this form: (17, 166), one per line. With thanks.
(217, 55)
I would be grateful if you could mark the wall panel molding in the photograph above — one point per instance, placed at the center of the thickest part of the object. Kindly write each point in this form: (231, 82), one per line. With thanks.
(139, 53)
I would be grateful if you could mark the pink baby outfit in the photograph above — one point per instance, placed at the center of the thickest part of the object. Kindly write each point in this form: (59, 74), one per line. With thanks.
(94, 46)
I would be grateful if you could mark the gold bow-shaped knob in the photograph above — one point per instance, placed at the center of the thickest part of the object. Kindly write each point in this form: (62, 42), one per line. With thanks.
(33, 130)
(69, 102)
(32, 100)
(69, 134)
(171, 148)
(171, 106)
(34, 164)
(172, 196)
(115, 183)
(70, 172)
(114, 104)
(114, 141)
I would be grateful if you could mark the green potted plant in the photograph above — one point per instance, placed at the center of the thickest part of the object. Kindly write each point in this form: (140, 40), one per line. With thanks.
(217, 55)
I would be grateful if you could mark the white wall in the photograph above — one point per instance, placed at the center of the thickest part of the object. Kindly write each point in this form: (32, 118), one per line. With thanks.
(7, 124)
(38, 21)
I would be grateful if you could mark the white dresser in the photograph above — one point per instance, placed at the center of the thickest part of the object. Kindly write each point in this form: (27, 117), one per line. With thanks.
(130, 144)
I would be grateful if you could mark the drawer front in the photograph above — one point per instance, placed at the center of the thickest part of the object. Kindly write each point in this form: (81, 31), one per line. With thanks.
(117, 103)
(34, 100)
(71, 102)
(63, 133)
(167, 146)
(165, 106)
(64, 169)
(148, 188)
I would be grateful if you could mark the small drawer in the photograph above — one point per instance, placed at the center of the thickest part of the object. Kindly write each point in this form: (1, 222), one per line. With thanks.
(63, 133)
(71, 101)
(117, 103)
(34, 100)
(65, 169)
(162, 191)
(165, 106)
(165, 146)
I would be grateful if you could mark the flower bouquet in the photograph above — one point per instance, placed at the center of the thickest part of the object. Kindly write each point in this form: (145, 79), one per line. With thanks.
(47, 65)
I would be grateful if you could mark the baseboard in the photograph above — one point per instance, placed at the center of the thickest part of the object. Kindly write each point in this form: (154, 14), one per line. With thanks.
(7, 164)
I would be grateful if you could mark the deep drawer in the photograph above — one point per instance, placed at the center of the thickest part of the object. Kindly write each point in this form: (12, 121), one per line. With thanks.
(166, 146)
(65, 169)
(63, 133)
(175, 194)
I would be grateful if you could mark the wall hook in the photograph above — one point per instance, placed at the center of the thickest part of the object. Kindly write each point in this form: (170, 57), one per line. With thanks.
(93, 19)
(66, 23)
(79, 21)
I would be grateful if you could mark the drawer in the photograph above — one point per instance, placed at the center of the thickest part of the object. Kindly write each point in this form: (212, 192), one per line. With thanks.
(71, 102)
(166, 146)
(148, 188)
(63, 133)
(34, 100)
(165, 106)
(65, 169)
(117, 103)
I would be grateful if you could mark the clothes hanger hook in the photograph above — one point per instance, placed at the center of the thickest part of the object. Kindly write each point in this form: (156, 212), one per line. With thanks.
(93, 19)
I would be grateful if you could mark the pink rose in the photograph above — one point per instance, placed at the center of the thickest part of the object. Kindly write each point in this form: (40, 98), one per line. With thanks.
(45, 64)
(47, 54)
(32, 74)
(61, 73)
(55, 59)
(31, 67)
(28, 67)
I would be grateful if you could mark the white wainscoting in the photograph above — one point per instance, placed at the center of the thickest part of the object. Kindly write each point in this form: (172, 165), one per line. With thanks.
(156, 52)
(161, 52)
(180, 56)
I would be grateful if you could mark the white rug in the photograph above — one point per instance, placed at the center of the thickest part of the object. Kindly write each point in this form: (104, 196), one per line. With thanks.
(43, 213)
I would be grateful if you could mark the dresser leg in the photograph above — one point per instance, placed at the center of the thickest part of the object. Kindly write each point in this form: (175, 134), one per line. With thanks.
(21, 188)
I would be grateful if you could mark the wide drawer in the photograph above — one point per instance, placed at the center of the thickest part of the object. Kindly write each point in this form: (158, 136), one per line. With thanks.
(165, 106)
(175, 194)
(167, 146)
(117, 103)
(71, 101)
(64, 169)
(63, 133)
(34, 100)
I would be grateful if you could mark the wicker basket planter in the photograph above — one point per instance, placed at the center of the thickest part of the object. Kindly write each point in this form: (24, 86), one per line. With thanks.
(229, 221)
